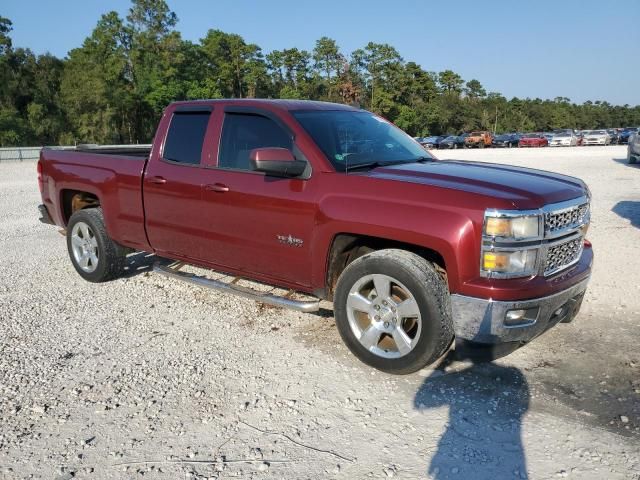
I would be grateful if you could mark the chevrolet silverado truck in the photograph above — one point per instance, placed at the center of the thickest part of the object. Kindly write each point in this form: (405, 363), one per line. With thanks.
(338, 204)
(478, 139)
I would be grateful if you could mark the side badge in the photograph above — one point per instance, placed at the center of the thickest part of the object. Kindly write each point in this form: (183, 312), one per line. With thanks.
(290, 240)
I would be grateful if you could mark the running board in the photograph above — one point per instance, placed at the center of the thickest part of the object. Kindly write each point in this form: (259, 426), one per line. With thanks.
(172, 271)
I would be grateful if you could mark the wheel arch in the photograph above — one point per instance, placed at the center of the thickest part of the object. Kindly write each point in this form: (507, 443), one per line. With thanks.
(73, 200)
(345, 247)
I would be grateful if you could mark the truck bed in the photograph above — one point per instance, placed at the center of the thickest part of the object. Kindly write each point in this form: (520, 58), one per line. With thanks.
(112, 173)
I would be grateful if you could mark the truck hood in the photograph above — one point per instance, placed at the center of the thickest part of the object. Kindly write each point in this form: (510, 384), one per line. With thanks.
(525, 188)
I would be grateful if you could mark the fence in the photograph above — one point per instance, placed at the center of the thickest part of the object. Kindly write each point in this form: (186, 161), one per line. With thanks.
(19, 153)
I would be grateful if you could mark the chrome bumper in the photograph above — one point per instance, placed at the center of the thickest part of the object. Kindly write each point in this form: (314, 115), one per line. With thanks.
(483, 321)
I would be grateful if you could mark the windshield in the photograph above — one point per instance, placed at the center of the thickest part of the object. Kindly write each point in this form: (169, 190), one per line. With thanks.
(598, 132)
(531, 135)
(351, 138)
(562, 135)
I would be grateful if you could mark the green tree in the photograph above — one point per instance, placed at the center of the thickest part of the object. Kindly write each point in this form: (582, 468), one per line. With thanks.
(328, 60)
(450, 82)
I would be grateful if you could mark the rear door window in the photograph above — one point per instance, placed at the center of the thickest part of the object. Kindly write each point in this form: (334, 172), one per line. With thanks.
(242, 132)
(185, 137)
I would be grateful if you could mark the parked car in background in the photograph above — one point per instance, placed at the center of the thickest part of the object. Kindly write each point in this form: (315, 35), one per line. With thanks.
(596, 137)
(581, 135)
(614, 136)
(427, 142)
(533, 140)
(626, 133)
(564, 139)
(452, 141)
(507, 140)
(633, 148)
(432, 142)
(548, 136)
(478, 139)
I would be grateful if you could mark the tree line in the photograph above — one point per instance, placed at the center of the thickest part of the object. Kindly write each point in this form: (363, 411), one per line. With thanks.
(113, 88)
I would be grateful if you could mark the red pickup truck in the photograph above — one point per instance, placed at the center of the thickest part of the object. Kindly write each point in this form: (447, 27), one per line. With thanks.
(337, 203)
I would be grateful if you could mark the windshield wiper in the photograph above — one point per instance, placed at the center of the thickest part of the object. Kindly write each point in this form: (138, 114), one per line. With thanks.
(359, 166)
(370, 165)
(423, 159)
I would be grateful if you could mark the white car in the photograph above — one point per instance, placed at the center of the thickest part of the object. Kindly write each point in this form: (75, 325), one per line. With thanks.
(596, 137)
(563, 140)
(633, 152)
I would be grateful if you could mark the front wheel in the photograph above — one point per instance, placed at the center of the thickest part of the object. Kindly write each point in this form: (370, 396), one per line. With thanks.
(393, 311)
(94, 255)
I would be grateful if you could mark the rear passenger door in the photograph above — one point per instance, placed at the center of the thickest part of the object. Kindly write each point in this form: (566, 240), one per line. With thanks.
(262, 224)
(172, 185)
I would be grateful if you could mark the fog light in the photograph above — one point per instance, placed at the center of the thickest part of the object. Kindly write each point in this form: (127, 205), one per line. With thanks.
(521, 317)
(515, 315)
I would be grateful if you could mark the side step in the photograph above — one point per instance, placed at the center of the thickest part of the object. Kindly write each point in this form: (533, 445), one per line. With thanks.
(172, 271)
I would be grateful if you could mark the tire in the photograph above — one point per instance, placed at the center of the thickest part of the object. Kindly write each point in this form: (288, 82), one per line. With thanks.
(86, 234)
(362, 314)
(481, 145)
(455, 146)
(632, 159)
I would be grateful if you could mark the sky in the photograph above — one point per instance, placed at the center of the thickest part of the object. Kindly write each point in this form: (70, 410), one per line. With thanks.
(580, 49)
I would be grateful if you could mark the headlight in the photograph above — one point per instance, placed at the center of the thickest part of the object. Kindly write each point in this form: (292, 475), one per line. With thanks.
(512, 225)
(500, 256)
(517, 263)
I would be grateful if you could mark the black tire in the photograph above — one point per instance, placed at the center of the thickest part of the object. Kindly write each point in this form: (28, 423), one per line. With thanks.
(481, 144)
(632, 159)
(432, 297)
(111, 256)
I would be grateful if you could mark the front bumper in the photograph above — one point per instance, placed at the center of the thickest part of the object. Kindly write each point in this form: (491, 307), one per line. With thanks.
(483, 320)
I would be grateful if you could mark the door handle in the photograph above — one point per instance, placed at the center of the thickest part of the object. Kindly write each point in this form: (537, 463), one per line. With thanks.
(217, 187)
(158, 180)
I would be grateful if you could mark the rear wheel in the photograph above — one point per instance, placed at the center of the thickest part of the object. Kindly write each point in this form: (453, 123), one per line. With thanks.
(94, 255)
(393, 311)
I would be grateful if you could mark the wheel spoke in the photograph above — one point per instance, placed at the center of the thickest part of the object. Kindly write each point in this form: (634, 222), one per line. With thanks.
(94, 242)
(84, 260)
(76, 241)
(358, 302)
(94, 259)
(370, 337)
(85, 231)
(408, 308)
(403, 342)
(382, 285)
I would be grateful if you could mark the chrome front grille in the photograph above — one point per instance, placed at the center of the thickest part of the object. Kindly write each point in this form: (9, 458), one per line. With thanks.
(562, 255)
(566, 219)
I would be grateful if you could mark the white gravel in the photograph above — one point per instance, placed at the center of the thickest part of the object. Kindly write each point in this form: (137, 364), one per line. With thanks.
(146, 377)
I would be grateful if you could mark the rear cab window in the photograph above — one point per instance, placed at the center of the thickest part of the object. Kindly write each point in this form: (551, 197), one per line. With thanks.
(185, 137)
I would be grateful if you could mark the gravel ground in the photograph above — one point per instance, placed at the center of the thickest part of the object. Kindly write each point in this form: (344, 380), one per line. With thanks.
(146, 377)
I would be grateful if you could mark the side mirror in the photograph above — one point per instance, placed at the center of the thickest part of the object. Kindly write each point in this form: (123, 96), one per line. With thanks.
(276, 161)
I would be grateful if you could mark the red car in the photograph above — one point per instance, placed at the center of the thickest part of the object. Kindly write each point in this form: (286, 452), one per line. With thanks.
(533, 140)
(339, 204)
